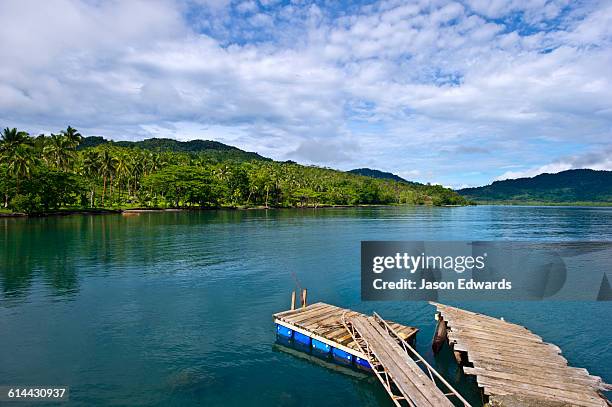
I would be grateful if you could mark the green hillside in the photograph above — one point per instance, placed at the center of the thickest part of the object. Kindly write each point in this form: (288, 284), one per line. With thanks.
(369, 172)
(212, 149)
(64, 171)
(571, 186)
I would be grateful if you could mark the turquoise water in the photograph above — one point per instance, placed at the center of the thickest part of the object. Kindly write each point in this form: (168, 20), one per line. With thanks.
(174, 309)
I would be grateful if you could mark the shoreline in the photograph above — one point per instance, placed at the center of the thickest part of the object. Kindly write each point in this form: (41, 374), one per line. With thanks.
(585, 204)
(135, 211)
(128, 211)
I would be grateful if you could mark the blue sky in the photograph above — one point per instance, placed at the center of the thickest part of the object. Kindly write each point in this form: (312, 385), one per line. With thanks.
(456, 93)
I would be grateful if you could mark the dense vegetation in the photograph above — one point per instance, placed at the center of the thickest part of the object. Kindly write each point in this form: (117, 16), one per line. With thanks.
(572, 186)
(46, 173)
(212, 149)
(369, 172)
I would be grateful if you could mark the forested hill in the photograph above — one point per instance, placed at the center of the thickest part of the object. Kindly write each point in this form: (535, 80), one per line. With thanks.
(369, 172)
(564, 187)
(208, 147)
(66, 171)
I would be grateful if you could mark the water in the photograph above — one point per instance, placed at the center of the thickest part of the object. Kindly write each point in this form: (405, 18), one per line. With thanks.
(174, 309)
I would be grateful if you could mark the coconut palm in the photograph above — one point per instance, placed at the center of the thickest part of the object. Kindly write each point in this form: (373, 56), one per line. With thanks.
(58, 152)
(108, 164)
(21, 163)
(91, 166)
(73, 136)
(12, 138)
(122, 169)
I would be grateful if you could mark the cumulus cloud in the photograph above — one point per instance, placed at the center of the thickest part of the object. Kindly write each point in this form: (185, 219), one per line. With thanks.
(440, 91)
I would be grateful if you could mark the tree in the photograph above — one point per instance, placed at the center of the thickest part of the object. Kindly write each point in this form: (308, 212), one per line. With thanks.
(14, 154)
(205, 178)
(21, 163)
(46, 190)
(73, 137)
(59, 152)
(11, 138)
(107, 168)
(91, 166)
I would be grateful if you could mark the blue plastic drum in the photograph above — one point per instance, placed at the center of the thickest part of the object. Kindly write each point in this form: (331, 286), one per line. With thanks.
(301, 338)
(283, 331)
(342, 356)
(320, 346)
(362, 364)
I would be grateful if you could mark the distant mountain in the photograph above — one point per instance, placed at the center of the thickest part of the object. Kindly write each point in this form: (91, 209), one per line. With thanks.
(564, 187)
(165, 144)
(368, 172)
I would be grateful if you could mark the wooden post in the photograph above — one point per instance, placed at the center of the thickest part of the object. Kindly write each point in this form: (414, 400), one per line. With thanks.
(304, 298)
(458, 357)
(293, 300)
(439, 335)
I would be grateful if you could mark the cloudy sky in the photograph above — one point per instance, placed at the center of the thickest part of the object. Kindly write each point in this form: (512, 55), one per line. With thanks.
(457, 93)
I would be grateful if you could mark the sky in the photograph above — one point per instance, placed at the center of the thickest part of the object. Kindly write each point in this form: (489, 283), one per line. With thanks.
(455, 93)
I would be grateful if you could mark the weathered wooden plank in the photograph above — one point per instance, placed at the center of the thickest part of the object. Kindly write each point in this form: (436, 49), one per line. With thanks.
(552, 372)
(407, 388)
(461, 319)
(471, 317)
(317, 321)
(500, 337)
(298, 310)
(498, 345)
(409, 366)
(510, 360)
(556, 401)
(409, 383)
(499, 325)
(308, 315)
(303, 312)
(339, 329)
(493, 360)
(505, 356)
(553, 382)
(484, 348)
(584, 398)
(480, 330)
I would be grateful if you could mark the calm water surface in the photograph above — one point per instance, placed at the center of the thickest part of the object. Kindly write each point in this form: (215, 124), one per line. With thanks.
(174, 309)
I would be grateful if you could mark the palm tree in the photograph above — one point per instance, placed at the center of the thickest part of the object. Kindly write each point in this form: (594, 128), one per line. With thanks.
(12, 138)
(91, 166)
(58, 152)
(107, 169)
(13, 145)
(21, 163)
(155, 162)
(73, 136)
(138, 167)
(122, 169)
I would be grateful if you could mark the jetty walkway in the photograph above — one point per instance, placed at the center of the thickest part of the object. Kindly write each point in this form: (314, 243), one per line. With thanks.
(396, 364)
(512, 365)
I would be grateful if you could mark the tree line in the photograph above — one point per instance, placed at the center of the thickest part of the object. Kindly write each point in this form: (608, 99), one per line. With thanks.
(44, 173)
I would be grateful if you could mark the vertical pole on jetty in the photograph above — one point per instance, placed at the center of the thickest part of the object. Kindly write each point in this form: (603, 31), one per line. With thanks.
(293, 300)
(439, 335)
(304, 297)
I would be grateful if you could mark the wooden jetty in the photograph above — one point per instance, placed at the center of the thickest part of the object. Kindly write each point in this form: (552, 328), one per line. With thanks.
(512, 365)
(395, 363)
(323, 323)
(370, 343)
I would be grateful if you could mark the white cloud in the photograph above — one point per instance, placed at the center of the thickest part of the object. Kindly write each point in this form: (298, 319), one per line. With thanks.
(406, 87)
(596, 160)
